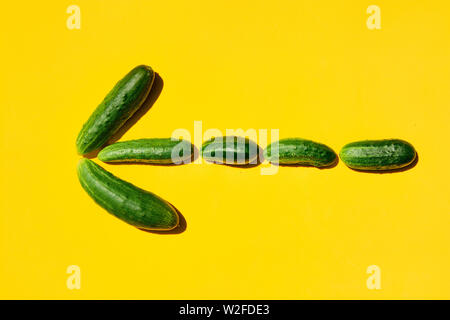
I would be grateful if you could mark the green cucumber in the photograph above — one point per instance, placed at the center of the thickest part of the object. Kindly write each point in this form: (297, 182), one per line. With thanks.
(127, 202)
(119, 105)
(297, 151)
(378, 155)
(230, 150)
(155, 151)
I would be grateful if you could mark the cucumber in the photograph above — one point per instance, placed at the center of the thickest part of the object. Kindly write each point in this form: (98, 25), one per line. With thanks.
(155, 151)
(230, 150)
(297, 151)
(118, 106)
(127, 202)
(378, 155)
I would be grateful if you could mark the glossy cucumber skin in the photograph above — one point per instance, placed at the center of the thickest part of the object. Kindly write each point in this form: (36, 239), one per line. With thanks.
(378, 155)
(127, 202)
(297, 151)
(155, 151)
(230, 150)
(118, 106)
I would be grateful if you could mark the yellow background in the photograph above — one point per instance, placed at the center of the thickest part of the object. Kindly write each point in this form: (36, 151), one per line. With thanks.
(309, 68)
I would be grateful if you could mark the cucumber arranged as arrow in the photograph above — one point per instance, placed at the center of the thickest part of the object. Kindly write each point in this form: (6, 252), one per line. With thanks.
(146, 210)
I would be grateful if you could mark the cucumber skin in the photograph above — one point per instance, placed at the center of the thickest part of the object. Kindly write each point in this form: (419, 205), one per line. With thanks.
(127, 202)
(156, 151)
(378, 155)
(297, 151)
(240, 149)
(116, 108)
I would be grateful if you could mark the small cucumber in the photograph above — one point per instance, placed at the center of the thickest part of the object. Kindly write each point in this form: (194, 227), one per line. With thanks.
(127, 202)
(156, 151)
(297, 151)
(378, 155)
(118, 106)
(230, 150)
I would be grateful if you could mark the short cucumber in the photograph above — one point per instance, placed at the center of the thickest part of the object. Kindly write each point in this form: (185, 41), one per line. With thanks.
(230, 150)
(118, 106)
(127, 202)
(297, 151)
(155, 151)
(378, 154)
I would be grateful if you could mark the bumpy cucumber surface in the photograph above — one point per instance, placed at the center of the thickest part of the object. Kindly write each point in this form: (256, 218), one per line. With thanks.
(297, 151)
(230, 150)
(127, 202)
(118, 106)
(156, 151)
(378, 154)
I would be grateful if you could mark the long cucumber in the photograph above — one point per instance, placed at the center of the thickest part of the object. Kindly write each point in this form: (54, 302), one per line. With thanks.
(127, 202)
(119, 105)
(153, 151)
